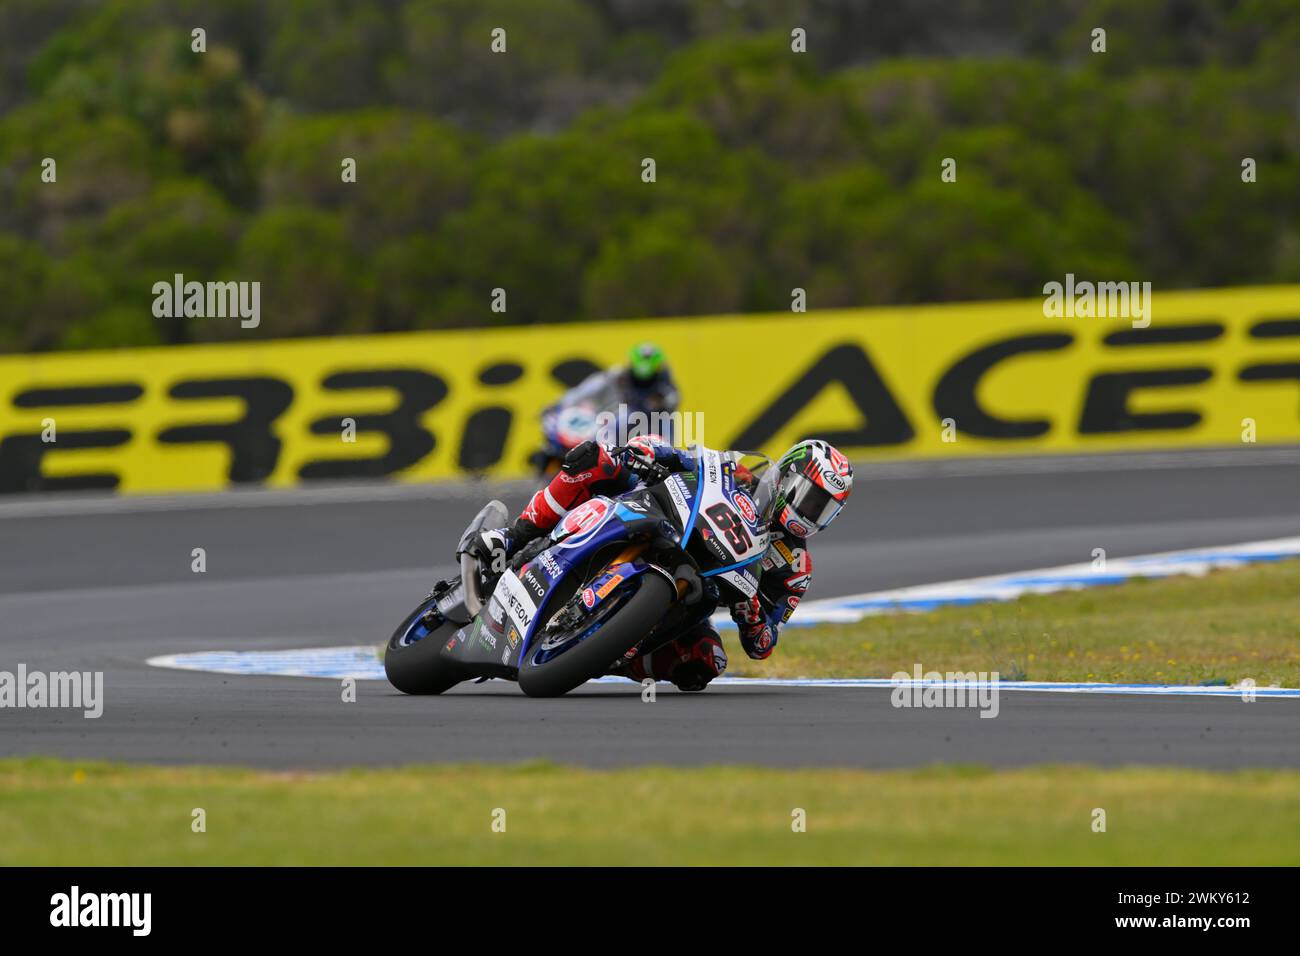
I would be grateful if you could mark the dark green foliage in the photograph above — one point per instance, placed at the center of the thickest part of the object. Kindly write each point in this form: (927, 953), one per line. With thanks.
(523, 170)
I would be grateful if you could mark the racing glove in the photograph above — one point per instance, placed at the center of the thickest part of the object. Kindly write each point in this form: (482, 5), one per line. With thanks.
(495, 546)
(758, 640)
(639, 458)
(492, 548)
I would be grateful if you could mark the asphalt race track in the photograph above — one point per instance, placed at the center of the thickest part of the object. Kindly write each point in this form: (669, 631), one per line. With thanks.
(104, 583)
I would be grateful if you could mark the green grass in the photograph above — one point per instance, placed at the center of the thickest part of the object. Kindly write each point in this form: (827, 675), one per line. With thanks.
(58, 812)
(1223, 627)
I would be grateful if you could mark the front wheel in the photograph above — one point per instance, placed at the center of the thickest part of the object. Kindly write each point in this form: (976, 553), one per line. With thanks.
(621, 632)
(413, 658)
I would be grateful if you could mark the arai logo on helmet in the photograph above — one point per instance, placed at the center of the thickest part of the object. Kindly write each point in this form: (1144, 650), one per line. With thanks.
(835, 482)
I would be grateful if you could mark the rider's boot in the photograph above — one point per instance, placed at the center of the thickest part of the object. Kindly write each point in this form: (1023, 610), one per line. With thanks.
(689, 661)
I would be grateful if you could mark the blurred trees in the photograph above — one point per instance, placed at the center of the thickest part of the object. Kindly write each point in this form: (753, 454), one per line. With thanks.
(477, 170)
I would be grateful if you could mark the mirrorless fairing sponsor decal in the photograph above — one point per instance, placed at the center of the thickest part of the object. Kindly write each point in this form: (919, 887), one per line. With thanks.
(608, 580)
(742, 580)
(517, 603)
(550, 565)
(576, 527)
(680, 494)
(745, 505)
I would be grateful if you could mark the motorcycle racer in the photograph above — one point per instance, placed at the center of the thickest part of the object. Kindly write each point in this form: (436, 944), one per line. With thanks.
(607, 404)
(815, 482)
(646, 382)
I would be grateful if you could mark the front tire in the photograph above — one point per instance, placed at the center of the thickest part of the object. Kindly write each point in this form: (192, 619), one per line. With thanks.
(420, 667)
(628, 626)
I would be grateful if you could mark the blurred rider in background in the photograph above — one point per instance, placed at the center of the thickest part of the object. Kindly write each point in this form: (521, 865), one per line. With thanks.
(644, 383)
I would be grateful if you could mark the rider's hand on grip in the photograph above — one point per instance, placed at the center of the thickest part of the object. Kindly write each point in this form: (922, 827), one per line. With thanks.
(639, 459)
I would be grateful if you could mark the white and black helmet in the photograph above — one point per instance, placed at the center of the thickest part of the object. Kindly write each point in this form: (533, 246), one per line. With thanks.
(815, 482)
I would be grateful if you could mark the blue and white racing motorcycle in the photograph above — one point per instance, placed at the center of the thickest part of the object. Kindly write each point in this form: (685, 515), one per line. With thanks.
(616, 578)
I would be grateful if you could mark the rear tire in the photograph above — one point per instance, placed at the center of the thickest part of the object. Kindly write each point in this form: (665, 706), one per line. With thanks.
(629, 625)
(420, 668)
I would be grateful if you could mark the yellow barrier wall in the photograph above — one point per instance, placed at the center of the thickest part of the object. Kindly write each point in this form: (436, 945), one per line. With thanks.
(876, 382)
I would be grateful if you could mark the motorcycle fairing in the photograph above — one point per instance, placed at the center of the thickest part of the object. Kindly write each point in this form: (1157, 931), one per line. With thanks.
(496, 641)
(518, 604)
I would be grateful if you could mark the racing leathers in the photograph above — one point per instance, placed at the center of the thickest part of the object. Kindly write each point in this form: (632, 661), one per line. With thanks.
(694, 655)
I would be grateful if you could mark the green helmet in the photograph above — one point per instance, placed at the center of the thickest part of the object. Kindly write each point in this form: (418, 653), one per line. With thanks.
(645, 362)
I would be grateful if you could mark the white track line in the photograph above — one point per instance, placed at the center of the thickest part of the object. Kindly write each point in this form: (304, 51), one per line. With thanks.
(361, 663)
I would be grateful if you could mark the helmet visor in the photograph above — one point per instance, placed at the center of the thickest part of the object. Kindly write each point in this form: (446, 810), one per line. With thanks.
(811, 502)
